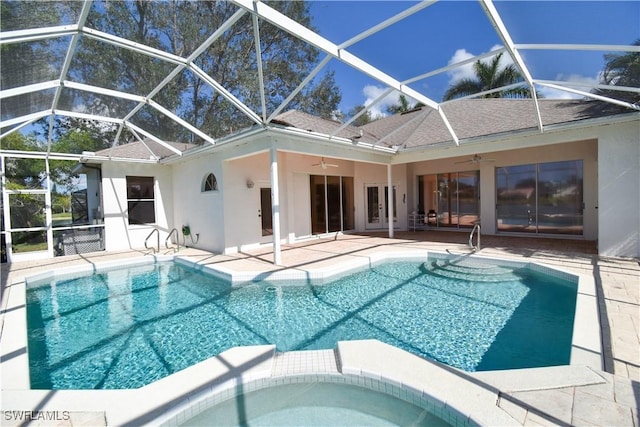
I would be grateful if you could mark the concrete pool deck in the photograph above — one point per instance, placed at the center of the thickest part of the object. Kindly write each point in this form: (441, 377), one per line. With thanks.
(561, 396)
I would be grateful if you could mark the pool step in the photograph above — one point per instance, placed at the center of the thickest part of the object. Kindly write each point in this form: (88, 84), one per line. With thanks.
(470, 270)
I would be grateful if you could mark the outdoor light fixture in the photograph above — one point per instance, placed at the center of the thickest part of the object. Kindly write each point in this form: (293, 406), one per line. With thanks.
(249, 183)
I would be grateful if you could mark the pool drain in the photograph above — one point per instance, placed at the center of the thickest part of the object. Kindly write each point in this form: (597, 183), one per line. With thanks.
(271, 289)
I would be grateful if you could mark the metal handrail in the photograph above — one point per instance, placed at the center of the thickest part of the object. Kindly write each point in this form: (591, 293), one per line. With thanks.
(473, 230)
(155, 230)
(166, 241)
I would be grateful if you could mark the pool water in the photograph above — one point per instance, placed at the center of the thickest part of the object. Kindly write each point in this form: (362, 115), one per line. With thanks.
(129, 327)
(316, 404)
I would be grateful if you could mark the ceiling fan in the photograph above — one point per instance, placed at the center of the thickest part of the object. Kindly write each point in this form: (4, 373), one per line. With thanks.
(476, 159)
(324, 164)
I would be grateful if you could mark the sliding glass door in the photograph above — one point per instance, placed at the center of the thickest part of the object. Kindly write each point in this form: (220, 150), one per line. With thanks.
(542, 198)
(331, 203)
(450, 199)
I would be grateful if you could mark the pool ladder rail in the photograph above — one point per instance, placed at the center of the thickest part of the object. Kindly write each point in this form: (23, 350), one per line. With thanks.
(166, 241)
(146, 241)
(156, 248)
(476, 226)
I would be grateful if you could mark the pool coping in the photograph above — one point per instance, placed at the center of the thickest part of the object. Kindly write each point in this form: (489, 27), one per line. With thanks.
(586, 344)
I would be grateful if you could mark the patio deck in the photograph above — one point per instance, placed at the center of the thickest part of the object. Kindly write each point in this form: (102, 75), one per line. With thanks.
(613, 401)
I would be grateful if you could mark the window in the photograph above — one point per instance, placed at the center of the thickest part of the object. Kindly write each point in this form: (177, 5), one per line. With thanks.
(210, 183)
(540, 198)
(331, 203)
(450, 199)
(140, 200)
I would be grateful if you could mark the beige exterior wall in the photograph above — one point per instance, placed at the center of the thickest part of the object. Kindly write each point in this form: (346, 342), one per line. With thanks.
(577, 150)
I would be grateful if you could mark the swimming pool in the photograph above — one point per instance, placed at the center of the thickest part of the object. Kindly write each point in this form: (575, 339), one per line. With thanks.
(126, 328)
(322, 404)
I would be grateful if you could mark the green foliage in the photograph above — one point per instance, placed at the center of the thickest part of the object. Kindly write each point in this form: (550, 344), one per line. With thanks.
(403, 106)
(179, 27)
(621, 70)
(362, 119)
(490, 75)
(24, 173)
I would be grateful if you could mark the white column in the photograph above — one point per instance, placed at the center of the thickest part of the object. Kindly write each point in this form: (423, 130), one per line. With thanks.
(275, 207)
(390, 201)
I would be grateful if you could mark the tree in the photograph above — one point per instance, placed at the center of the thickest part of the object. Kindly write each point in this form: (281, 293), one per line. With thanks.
(490, 75)
(621, 70)
(403, 106)
(179, 27)
(363, 119)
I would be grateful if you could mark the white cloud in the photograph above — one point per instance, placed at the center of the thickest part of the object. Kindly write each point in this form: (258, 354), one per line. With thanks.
(552, 93)
(372, 92)
(466, 71)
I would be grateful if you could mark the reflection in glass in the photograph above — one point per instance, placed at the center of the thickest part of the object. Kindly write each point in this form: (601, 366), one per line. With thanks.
(560, 197)
(348, 200)
(334, 220)
(373, 206)
(25, 174)
(468, 198)
(332, 199)
(450, 199)
(28, 241)
(516, 198)
(27, 210)
(545, 198)
(386, 205)
(318, 221)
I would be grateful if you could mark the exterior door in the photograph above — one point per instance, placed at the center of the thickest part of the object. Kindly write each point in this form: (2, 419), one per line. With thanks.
(265, 213)
(376, 202)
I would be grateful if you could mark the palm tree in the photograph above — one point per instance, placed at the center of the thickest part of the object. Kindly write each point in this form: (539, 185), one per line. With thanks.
(403, 105)
(489, 75)
(621, 70)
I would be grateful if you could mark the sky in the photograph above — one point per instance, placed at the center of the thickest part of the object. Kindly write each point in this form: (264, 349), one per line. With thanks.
(450, 31)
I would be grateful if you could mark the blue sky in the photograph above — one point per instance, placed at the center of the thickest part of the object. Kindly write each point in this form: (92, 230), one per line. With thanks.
(450, 31)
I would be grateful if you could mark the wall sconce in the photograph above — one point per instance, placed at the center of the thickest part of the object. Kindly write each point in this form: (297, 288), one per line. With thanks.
(249, 183)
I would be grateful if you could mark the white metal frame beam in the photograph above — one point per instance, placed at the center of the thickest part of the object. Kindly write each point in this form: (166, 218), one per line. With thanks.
(256, 37)
(590, 95)
(594, 47)
(387, 22)
(289, 25)
(188, 63)
(86, 7)
(35, 34)
(503, 33)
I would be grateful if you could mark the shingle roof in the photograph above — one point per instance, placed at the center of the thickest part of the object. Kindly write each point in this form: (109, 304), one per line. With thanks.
(471, 118)
(312, 123)
(474, 118)
(137, 150)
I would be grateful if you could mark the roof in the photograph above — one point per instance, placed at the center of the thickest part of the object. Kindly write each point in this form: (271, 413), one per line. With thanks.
(311, 123)
(472, 118)
(139, 150)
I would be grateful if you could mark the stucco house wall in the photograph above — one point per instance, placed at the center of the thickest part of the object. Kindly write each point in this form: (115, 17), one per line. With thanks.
(119, 234)
(228, 220)
(618, 190)
(201, 210)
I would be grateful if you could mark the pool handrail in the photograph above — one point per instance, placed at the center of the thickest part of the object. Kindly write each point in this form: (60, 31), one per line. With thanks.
(155, 230)
(166, 241)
